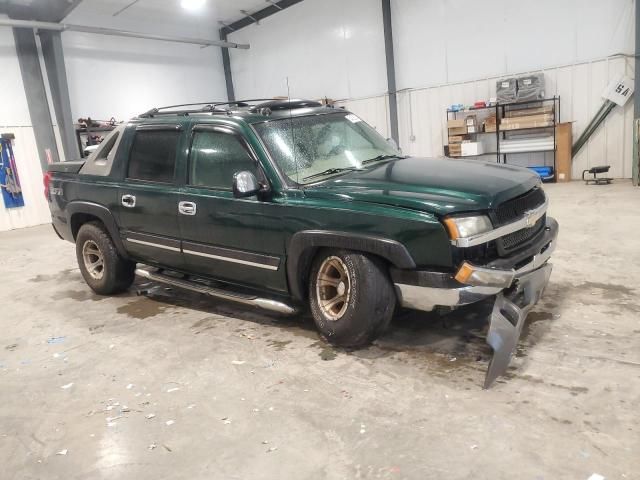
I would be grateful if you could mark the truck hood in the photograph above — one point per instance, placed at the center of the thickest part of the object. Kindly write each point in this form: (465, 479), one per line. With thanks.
(436, 185)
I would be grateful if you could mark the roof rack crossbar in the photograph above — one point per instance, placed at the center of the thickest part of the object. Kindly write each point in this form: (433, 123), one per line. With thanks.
(208, 107)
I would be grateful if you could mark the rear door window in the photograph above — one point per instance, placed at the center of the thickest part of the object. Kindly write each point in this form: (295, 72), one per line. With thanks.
(153, 155)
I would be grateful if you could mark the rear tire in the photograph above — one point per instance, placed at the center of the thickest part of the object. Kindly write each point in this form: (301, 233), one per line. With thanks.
(102, 267)
(351, 297)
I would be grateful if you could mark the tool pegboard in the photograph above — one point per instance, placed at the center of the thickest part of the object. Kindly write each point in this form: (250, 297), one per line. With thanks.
(9, 179)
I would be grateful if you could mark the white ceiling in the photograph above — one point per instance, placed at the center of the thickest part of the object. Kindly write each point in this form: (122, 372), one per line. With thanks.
(163, 16)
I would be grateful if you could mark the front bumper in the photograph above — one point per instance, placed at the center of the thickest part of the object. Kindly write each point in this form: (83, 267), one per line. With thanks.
(517, 282)
(425, 290)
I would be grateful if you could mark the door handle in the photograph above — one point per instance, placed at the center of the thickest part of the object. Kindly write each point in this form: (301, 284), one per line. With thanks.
(128, 201)
(187, 208)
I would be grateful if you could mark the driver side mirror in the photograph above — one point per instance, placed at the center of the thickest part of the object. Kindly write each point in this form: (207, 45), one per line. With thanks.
(245, 184)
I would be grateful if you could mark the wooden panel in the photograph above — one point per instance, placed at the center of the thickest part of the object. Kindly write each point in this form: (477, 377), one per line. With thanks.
(563, 153)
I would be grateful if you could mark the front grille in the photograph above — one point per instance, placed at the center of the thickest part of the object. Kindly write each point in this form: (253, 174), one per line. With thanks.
(516, 239)
(477, 254)
(513, 209)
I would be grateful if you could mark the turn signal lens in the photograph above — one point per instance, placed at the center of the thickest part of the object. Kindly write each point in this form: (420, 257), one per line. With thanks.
(484, 277)
(464, 273)
(450, 223)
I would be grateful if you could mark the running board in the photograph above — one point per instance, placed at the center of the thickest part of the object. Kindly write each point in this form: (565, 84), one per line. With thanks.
(265, 303)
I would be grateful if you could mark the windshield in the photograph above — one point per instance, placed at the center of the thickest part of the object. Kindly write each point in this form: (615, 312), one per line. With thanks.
(312, 148)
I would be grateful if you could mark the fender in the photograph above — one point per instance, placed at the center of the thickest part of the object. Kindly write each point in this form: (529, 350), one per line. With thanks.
(103, 214)
(303, 244)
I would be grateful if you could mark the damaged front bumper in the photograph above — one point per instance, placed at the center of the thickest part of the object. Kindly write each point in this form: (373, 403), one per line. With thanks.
(517, 282)
(508, 316)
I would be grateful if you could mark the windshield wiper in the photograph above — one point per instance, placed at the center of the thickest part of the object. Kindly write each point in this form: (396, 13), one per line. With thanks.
(330, 171)
(381, 157)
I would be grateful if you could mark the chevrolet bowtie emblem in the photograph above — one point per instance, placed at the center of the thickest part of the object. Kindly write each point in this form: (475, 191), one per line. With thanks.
(531, 218)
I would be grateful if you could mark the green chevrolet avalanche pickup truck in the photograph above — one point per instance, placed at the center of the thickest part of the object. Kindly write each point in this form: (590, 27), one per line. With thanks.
(282, 204)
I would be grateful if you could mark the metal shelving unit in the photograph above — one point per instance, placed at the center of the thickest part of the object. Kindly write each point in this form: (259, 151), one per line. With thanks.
(504, 134)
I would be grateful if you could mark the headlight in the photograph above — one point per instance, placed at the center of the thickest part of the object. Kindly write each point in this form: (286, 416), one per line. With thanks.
(464, 227)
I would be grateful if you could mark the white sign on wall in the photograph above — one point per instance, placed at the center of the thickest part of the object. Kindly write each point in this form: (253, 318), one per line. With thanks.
(619, 91)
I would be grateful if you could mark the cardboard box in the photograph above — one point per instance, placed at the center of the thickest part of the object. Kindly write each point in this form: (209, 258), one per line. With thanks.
(543, 117)
(523, 125)
(455, 150)
(563, 152)
(490, 124)
(455, 139)
(326, 101)
(456, 123)
(458, 131)
(521, 112)
(471, 148)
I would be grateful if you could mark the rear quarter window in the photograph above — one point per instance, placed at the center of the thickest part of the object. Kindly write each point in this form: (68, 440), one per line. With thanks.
(101, 161)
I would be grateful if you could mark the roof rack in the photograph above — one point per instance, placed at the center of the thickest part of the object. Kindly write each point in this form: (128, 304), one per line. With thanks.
(207, 107)
(286, 104)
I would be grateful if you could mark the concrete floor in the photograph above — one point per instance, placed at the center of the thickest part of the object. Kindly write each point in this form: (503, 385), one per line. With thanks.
(177, 386)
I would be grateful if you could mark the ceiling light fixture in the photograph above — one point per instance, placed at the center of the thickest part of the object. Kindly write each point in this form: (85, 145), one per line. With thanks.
(192, 4)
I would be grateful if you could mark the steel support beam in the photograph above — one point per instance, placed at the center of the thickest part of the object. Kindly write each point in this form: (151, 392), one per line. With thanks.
(272, 9)
(61, 27)
(27, 51)
(635, 168)
(391, 69)
(53, 55)
(226, 65)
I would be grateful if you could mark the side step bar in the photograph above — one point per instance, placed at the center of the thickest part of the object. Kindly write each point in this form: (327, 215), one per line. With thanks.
(265, 303)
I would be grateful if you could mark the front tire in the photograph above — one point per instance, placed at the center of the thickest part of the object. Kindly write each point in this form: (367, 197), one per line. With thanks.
(352, 299)
(102, 267)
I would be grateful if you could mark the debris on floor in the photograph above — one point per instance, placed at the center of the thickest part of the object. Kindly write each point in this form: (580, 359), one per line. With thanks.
(169, 422)
(55, 340)
(596, 476)
(67, 386)
(238, 362)
(62, 452)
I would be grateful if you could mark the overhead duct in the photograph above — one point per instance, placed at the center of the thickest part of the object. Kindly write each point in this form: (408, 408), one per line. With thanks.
(63, 27)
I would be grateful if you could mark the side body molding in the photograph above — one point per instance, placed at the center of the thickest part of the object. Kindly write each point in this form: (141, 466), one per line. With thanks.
(303, 245)
(78, 209)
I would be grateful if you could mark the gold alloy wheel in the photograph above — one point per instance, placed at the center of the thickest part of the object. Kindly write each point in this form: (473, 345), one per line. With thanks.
(93, 259)
(333, 288)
